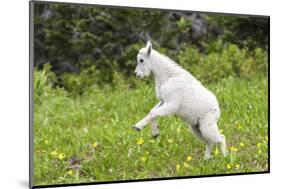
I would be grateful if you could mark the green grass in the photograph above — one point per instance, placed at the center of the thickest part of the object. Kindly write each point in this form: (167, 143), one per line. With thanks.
(96, 128)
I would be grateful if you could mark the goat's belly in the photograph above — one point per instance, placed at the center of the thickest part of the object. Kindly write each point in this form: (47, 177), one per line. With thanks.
(192, 115)
(197, 106)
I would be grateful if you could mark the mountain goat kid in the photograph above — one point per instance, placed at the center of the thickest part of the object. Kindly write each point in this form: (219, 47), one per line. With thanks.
(181, 94)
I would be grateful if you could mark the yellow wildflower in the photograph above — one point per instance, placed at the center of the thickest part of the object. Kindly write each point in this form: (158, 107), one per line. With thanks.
(140, 141)
(70, 172)
(242, 144)
(233, 149)
(221, 130)
(178, 167)
(46, 141)
(239, 126)
(228, 166)
(237, 166)
(95, 144)
(54, 153)
(61, 156)
(185, 165)
(189, 158)
(170, 140)
(143, 158)
(217, 151)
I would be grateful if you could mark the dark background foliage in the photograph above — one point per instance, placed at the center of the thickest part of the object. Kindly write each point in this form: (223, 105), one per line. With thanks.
(94, 42)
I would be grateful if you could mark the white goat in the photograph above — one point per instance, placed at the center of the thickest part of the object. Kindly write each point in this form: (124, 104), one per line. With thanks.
(181, 94)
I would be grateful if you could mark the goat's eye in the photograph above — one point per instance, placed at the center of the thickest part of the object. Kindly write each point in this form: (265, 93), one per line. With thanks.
(141, 60)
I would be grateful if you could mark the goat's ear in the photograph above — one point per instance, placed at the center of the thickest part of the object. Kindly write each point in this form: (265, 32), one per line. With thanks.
(148, 47)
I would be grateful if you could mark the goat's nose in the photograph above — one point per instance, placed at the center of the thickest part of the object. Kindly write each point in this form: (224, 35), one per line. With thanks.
(137, 74)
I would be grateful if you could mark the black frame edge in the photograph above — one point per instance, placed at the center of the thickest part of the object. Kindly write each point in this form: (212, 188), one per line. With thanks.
(31, 66)
(268, 89)
(153, 179)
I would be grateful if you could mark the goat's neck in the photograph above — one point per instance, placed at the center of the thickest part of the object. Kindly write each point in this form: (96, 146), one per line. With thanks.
(163, 72)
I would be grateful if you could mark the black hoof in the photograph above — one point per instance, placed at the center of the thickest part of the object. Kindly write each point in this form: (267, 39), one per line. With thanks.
(155, 136)
(136, 128)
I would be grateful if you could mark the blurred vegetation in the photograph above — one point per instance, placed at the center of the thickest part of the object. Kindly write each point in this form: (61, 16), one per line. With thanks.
(90, 45)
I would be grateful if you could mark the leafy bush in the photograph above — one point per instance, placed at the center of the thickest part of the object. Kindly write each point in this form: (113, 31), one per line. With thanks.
(211, 66)
(221, 63)
(245, 31)
(73, 38)
(42, 82)
(92, 78)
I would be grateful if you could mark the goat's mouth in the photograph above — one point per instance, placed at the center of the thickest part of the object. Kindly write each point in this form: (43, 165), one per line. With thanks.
(139, 75)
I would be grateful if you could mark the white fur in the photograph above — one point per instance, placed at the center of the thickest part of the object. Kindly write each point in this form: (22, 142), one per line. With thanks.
(181, 94)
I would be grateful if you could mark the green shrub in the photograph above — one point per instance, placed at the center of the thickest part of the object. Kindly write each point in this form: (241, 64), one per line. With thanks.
(92, 78)
(214, 46)
(212, 65)
(42, 82)
(73, 37)
(231, 61)
(128, 58)
(77, 83)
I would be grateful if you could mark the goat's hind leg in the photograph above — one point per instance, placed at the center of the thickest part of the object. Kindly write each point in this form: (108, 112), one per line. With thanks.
(223, 145)
(210, 132)
(212, 136)
(154, 128)
(209, 146)
(194, 128)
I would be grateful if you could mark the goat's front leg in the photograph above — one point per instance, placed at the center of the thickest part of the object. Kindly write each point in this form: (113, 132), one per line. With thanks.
(142, 126)
(165, 109)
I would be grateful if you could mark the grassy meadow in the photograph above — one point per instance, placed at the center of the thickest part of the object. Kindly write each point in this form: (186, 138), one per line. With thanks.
(88, 138)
